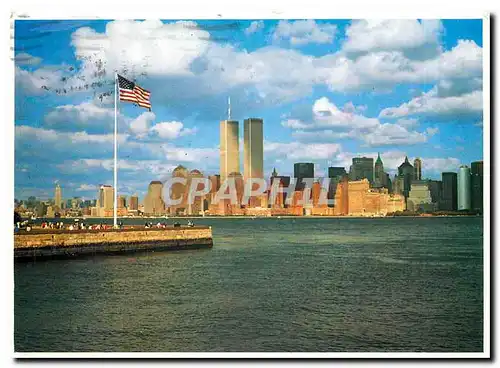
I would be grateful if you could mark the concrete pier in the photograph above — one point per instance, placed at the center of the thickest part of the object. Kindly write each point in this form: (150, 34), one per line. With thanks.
(44, 243)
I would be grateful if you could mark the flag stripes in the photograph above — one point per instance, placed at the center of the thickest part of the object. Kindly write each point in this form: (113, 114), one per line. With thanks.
(131, 92)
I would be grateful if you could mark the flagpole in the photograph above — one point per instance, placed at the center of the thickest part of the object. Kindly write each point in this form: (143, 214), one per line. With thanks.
(115, 161)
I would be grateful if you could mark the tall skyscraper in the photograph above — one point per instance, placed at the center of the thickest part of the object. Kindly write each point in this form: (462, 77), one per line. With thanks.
(133, 203)
(436, 188)
(229, 148)
(417, 167)
(381, 178)
(361, 168)
(283, 182)
(253, 148)
(477, 185)
(153, 202)
(406, 171)
(302, 170)
(106, 200)
(449, 192)
(58, 196)
(336, 172)
(464, 188)
(122, 201)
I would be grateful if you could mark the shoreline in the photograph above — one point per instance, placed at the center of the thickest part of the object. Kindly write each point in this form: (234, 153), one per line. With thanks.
(173, 218)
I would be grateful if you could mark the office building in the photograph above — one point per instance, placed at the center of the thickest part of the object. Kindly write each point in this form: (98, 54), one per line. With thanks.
(464, 188)
(253, 148)
(153, 201)
(122, 201)
(419, 198)
(436, 188)
(229, 148)
(361, 168)
(477, 186)
(133, 203)
(417, 167)
(448, 192)
(106, 201)
(283, 183)
(58, 197)
(301, 171)
(407, 172)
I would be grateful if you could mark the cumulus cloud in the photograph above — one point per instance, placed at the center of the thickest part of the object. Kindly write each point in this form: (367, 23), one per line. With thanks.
(23, 58)
(431, 105)
(85, 116)
(171, 130)
(328, 122)
(141, 125)
(302, 32)
(300, 151)
(187, 59)
(254, 27)
(415, 38)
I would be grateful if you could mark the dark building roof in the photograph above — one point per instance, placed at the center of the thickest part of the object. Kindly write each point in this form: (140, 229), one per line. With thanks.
(406, 163)
(156, 182)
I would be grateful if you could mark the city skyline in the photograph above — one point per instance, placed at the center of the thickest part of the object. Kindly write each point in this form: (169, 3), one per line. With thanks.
(331, 114)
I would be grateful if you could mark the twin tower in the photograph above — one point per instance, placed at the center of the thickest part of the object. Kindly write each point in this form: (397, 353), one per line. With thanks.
(253, 148)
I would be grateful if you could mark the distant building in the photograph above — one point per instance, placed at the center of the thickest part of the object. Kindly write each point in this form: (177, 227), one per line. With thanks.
(406, 171)
(449, 192)
(283, 183)
(153, 201)
(335, 174)
(133, 203)
(419, 198)
(229, 148)
(398, 184)
(436, 188)
(195, 206)
(178, 191)
(253, 148)
(417, 167)
(122, 201)
(58, 197)
(301, 171)
(106, 201)
(365, 201)
(464, 188)
(361, 168)
(477, 186)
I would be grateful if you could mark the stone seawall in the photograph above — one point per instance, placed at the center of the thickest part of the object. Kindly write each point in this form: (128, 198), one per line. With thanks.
(63, 244)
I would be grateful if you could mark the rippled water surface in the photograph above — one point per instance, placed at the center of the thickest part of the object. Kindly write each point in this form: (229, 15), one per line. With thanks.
(306, 284)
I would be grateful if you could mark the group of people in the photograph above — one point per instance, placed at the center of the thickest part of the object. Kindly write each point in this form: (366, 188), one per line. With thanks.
(52, 225)
(163, 225)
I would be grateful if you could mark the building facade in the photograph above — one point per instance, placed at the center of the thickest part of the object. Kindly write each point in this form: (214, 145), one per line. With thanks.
(417, 167)
(301, 171)
(253, 148)
(361, 168)
(229, 148)
(449, 192)
(419, 198)
(153, 201)
(477, 186)
(464, 188)
(406, 171)
(58, 197)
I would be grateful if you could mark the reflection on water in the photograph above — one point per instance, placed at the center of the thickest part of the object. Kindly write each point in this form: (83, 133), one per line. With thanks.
(394, 284)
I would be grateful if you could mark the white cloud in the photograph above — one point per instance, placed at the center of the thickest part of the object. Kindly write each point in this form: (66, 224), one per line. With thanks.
(254, 27)
(300, 151)
(86, 116)
(24, 58)
(430, 104)
(432, 131)
(86, 188)
(408, 123)
(329, 123)
(302, 32)
(171, 130)
(141, 125)
(364, 36)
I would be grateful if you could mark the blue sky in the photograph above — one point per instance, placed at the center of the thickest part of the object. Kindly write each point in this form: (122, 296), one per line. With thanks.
(328, 90)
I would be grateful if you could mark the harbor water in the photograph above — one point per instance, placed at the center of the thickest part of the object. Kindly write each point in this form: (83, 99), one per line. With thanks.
(267, 285)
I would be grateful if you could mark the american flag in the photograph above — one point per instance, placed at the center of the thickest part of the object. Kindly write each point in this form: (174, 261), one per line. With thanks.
(129, 91)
